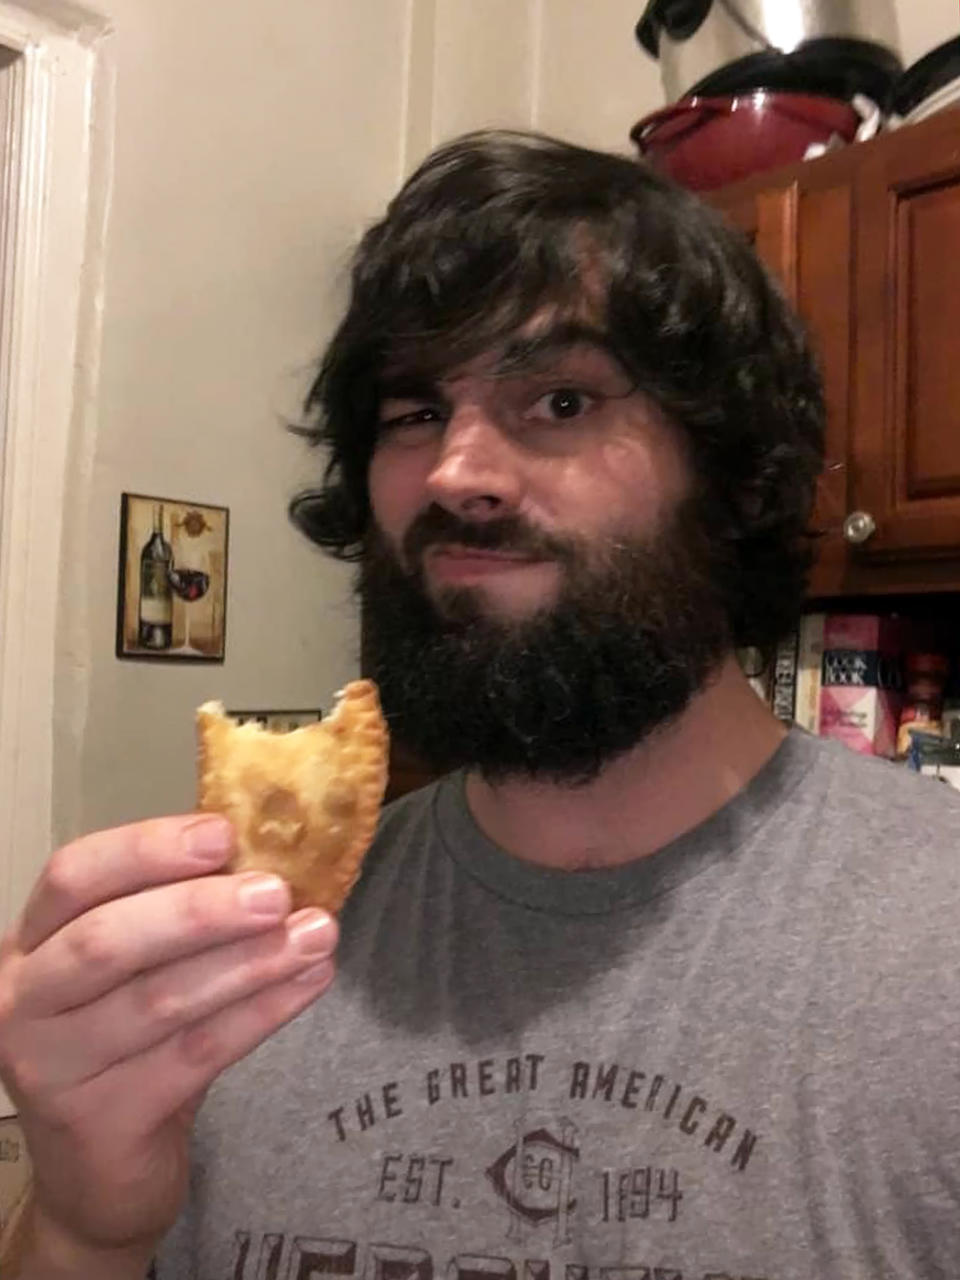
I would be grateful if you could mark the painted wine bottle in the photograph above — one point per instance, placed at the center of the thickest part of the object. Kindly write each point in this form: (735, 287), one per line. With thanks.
(156, 594)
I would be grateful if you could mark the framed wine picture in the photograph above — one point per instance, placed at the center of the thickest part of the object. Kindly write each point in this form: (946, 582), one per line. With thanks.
(278, 721)
(172, 596)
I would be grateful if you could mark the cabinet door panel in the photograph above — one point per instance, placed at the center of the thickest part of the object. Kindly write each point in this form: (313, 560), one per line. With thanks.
(769, 221)
(928, 324)
(907, 438)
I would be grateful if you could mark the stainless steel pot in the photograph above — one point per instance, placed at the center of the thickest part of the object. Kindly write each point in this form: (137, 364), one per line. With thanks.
(694, 38)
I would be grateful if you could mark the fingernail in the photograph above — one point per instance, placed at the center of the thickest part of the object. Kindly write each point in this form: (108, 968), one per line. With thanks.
(316, 974)
(208, 839)
(264, 895)
(312, 933)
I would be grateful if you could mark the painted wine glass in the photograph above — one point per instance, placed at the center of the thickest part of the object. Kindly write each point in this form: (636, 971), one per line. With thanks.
(189, 585)
(188, 573)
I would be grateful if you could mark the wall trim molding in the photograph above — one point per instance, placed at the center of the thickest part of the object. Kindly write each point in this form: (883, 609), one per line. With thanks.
(46, 112)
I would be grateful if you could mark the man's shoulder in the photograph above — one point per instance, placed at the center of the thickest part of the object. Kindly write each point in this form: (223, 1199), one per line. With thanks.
(879, 795)
(883, 844)
(851, 840)
(875, 890)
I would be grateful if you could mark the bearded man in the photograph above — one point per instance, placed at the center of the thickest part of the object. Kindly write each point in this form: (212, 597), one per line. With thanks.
(643, 984)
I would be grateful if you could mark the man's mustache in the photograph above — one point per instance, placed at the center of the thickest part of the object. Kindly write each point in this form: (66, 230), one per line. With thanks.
(510, 534)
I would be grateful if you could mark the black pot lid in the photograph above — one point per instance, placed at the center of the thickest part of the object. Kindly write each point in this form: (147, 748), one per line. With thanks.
(679, 18)
(927, 75)
(835, 66)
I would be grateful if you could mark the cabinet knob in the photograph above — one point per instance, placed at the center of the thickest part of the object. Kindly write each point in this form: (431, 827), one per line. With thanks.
(859, 527)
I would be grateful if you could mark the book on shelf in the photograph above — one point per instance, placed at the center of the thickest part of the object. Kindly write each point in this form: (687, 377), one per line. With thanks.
(837, 675)
(783, 694)
(860, 681)
(809, 670)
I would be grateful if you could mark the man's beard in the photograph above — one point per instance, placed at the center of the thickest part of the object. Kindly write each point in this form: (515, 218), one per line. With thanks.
(636, 629)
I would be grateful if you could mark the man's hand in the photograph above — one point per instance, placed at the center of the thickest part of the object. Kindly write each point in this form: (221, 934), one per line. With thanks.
(134, 976)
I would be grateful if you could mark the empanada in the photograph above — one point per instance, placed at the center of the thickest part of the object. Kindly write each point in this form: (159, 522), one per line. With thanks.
(305, 803)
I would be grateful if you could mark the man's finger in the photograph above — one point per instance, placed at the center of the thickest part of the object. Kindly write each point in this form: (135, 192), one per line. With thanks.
(110, 944)
(111, 864)
(135, 1017)
(143, 1093)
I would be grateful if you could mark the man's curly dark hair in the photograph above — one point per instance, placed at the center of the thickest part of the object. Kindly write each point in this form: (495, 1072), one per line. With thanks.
(496, 226)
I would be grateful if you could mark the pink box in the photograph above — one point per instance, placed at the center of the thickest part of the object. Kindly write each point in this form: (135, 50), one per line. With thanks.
(860, 692)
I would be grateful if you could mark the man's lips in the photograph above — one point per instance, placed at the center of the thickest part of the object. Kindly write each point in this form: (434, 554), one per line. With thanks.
(452, 561)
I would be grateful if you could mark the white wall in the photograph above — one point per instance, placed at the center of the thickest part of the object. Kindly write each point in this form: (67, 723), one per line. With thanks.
(925, 24)
(595, 82)
(561, 66)
(471, 66)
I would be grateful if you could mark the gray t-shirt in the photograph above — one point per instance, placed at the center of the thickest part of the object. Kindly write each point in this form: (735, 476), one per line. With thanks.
(733, 1060)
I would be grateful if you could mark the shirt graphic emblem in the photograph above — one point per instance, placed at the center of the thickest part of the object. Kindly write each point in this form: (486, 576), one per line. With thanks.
(534, 1178)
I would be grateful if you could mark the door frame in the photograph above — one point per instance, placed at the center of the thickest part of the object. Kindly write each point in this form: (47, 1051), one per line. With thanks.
(55, 168)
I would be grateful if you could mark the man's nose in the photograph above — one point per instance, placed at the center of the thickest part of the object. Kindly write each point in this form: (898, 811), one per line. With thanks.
(477, 471)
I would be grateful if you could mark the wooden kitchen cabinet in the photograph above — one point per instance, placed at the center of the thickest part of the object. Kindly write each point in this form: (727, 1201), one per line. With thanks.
(867, 244)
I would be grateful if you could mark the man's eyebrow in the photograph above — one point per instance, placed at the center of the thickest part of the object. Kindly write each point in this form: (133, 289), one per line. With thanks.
(519, 354)
(523, 352)
(408, 386)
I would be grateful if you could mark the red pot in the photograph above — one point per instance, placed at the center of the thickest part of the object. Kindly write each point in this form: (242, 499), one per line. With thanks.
(705, 143)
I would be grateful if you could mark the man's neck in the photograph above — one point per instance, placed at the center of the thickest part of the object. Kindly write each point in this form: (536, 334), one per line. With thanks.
(664, 787)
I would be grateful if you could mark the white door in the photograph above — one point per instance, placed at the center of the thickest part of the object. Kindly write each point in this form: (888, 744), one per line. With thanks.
(7, 132)
(51, 82)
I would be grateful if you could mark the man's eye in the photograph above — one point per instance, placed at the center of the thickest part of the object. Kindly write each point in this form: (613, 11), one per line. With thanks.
(561, 404)
(392, 420)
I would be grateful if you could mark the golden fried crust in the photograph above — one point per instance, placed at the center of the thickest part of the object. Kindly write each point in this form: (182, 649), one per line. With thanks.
(304, 804)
